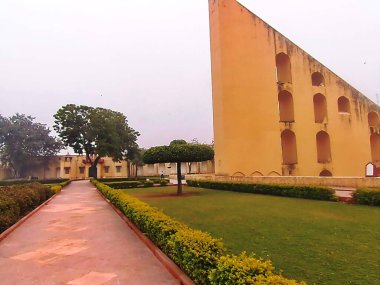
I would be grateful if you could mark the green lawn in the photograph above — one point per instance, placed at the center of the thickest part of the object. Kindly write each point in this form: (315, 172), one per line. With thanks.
(319, 242)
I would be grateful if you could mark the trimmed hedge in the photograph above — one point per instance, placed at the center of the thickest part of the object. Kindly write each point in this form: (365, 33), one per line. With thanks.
(20, 182)
(56, 188)
(134, 184)
(124, 184)
(194, 251)
(197, 253)
(121, 179)
(18, 200)
(246, 270)
(367, 196)
(304, 192)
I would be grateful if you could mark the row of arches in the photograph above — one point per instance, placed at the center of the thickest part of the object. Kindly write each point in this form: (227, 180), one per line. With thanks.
(289, 147)
(286, 109)
(284, 71)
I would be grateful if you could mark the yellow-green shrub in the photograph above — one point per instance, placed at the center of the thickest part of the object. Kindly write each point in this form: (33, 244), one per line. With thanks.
(56, 188)
(246, 270)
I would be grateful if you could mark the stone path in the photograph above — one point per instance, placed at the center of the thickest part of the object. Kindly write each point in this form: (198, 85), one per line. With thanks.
(78, 239)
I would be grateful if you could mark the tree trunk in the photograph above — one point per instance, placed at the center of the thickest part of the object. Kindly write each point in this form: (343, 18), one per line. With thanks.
(93, 171)
(179, 179)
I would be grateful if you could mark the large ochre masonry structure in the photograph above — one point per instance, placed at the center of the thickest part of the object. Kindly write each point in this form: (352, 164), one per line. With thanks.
(277, 110)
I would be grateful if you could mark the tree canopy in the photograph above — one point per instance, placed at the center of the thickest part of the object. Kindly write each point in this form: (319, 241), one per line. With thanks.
(25, 144)
(96, 132)
(178, 151)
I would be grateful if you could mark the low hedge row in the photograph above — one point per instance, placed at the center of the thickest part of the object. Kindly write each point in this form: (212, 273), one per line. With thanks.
(367, 196)
(134, 184)
(16, 201)
(120, 179)
(197, 253)
(305, 192)
(20, 182)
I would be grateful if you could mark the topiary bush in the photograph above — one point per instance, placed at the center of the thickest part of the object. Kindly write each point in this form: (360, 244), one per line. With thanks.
(297, 191)
(367, 196)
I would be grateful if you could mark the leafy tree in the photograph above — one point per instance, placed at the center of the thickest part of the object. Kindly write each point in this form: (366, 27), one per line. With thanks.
(178, 151)
(25, 144)
(96, 132)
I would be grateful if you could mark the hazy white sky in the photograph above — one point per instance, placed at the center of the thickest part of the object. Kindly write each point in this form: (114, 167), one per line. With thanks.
(150, 59)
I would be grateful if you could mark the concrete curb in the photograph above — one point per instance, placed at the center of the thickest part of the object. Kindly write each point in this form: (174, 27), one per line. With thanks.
(162, 257)
(7, 232)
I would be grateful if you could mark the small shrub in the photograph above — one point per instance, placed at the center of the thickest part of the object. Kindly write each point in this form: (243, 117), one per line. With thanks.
(367, 196)
(305, 192)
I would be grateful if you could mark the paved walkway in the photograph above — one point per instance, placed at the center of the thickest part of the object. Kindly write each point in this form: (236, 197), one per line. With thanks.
(78, 239)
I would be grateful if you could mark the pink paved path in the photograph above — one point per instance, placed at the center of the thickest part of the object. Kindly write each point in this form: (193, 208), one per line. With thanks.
(78, 239)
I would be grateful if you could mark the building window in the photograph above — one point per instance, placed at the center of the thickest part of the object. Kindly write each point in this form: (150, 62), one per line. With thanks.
(67, 170)
(283, 68)
(81, 170)
(320, 108)
(323, 147)
(317, 79)
(289, 148)
(118, 169)
(343, 105)
(375, 147)
(106, 169)
(285, 105)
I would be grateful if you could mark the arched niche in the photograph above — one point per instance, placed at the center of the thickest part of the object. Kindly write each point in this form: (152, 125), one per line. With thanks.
(344, 105)
(283, 67)
(289, 147)
(317, 79)
(325, 173)
(323, 147)
(375, 147)
(320, 108)
(286, 106)
(373, 120)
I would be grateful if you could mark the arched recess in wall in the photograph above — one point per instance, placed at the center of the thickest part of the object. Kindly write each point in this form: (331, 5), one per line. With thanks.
(320, 108)
(325, 173)
(375, 147)
(286, 106)
(256, 173)
(373, 120)
(274, 173)
(239, 174)
(283, 68)
(323, 147)
(317, 79)
(289, 147)
(343, 105)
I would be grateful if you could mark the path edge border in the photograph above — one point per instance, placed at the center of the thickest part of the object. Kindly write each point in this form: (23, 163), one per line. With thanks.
(159, 254)
(8, 231)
